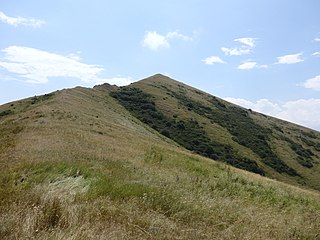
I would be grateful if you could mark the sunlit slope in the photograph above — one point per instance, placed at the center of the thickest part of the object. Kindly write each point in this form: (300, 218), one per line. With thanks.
(223, 131)
(75, 164)
(68, 124)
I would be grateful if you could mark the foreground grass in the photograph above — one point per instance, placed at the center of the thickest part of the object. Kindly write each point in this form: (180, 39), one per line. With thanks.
(111, 200)
(99, 174)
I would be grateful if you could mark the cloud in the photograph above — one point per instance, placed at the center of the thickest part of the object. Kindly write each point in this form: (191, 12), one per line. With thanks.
(177, 35)
(37, 66)
(212, 60)
(263, 66)
(290, 59)
(247, 65)
(316, 39)
(155, 41)
(16, 21)
(250, 65)
(235, 51)
(246, 41)
(262, 105)
(119, 81)
(312, 83)
(247, 45)
(305, 112)
(315, 54)
(75, 56)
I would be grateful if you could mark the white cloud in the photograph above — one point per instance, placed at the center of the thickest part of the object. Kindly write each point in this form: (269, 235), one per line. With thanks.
(290, 59)
(213, 59)
(177, 35)
(263, 66)
(235, 51)
(36, 66)
(247, 45)
(246, 41)
(262, 105)
(74, 56)
(317, 39)
(16, 21)
(250, 65)
(155, 41)
(247, 65)
(312, 83)
(119, 81)
(240, 101)
(305, 112)
(315, 54)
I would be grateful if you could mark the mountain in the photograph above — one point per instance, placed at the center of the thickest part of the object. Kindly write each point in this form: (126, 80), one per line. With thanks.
(222, 131)
(88, 164)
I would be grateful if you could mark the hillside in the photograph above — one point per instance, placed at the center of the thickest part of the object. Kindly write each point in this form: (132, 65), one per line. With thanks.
(76, 164)
(223, 131)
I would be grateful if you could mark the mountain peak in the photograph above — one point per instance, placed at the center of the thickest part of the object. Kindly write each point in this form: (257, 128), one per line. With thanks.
(160, 75)
(160, 78)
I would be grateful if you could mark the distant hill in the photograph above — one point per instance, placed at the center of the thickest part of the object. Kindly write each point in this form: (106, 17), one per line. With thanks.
(153, 160)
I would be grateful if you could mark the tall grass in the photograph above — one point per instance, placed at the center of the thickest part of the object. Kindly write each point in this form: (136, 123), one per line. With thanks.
(73, 175)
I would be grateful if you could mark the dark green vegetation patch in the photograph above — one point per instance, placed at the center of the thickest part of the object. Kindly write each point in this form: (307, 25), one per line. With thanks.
(304, 155)
(5, 113)
(187, 133)
(238, 122)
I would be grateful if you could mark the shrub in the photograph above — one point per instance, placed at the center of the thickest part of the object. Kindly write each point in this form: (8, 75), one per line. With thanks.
(304, 155)
(5, 113)
(165, 132)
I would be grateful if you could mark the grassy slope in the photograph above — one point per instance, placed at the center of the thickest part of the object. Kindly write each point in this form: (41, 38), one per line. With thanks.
(286, 140)
(77, 165)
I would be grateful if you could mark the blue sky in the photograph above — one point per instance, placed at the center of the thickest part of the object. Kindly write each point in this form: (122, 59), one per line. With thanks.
(263, 55)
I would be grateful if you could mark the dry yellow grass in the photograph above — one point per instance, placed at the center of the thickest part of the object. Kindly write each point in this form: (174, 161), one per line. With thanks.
(81, 167)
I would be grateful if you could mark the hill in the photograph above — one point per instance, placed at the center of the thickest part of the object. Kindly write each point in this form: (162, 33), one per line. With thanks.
(76, 164)
(223, 131)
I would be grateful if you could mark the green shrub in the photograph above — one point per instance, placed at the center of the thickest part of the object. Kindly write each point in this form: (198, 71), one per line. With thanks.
(5, 113)
(304, 155)
(165, 132)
